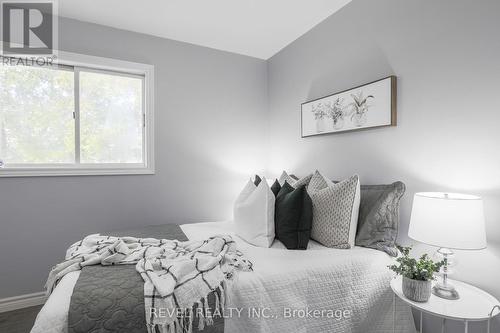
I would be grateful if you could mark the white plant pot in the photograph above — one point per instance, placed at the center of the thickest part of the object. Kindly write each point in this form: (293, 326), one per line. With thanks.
(338, 124)
(359, 119)
(416, 290)
(320, 125)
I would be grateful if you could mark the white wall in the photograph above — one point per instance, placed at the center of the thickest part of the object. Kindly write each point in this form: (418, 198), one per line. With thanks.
(446, 56)
(209, 137)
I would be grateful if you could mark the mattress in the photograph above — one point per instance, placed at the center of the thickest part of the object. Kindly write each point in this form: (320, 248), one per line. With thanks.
(317, 290)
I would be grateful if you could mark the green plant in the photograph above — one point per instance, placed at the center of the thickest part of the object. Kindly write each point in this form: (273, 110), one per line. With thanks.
(319, 111)
(422, 269)
(336, 110)
(360, 105)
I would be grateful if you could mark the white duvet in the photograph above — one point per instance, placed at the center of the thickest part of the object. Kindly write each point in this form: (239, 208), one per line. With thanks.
(318, 290)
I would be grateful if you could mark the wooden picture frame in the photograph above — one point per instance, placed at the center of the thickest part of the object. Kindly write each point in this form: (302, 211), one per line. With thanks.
(371, 105)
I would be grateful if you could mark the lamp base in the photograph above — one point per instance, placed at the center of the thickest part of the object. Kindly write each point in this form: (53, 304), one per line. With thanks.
(448, 292)
(443, 289)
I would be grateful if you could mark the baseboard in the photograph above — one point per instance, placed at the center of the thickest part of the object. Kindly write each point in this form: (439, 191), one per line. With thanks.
(23, 301)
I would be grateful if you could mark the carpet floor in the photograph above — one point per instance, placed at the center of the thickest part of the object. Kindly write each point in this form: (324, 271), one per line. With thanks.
(18, 321)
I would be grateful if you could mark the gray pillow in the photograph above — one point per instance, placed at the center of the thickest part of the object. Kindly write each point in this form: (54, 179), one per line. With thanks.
(378, 219)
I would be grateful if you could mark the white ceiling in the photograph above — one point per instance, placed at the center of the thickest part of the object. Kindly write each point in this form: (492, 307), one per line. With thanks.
(258, 28)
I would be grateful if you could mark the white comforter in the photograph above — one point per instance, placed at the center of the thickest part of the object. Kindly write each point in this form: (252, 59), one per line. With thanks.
(318, 290)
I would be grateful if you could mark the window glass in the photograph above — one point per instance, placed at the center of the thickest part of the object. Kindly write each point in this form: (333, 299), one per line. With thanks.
(111, 118)
(36, 115)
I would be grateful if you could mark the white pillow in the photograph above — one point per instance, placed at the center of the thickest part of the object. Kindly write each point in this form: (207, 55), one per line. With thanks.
(254, 214)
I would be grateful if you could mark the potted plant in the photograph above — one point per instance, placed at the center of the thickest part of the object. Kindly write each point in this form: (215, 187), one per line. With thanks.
(359, 108)
(336, 112)
(319, 113)
(417, 274)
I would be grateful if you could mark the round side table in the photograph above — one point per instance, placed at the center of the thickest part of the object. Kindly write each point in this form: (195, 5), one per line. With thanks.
(474, 304)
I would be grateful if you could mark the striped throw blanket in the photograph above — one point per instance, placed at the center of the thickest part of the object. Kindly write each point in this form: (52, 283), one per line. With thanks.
(177, 275)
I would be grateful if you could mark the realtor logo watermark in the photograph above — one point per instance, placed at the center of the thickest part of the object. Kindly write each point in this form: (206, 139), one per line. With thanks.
(29, 29)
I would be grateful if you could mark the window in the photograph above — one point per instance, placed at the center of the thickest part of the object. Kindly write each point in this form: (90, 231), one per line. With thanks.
(85, 115)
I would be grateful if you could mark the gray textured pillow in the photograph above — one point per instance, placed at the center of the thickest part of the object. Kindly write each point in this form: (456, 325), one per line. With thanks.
(335, 211)
(379, 216)
(293, 180)
(285, 177)
(304, 181)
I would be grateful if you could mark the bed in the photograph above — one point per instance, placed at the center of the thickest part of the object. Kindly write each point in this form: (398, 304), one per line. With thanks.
(317, 290)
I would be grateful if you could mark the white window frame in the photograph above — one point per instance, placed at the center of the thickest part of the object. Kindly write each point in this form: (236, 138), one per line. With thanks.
(99, 64)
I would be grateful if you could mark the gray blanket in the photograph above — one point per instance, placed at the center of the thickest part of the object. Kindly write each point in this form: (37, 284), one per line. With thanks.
(111, 298)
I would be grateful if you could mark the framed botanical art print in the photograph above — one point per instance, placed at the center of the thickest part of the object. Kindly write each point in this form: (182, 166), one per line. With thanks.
(367, 106)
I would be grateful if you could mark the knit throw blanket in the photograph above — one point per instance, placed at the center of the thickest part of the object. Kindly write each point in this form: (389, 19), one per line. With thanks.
(177, 275)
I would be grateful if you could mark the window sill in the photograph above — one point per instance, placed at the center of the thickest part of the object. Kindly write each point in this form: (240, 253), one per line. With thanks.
(50, 172)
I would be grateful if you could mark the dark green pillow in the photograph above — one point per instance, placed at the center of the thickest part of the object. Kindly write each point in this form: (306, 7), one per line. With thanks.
(257, 180)
(293, 217)
(276, 187)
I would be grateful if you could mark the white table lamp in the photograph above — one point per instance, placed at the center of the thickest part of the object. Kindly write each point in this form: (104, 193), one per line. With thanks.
(449, 221)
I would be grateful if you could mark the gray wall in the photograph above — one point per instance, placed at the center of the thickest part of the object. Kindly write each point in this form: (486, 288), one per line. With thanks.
(446, 56)
(211, 110)
(209, 106)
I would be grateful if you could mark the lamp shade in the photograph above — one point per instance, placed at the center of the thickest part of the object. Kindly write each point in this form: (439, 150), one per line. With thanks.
(449, 220)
